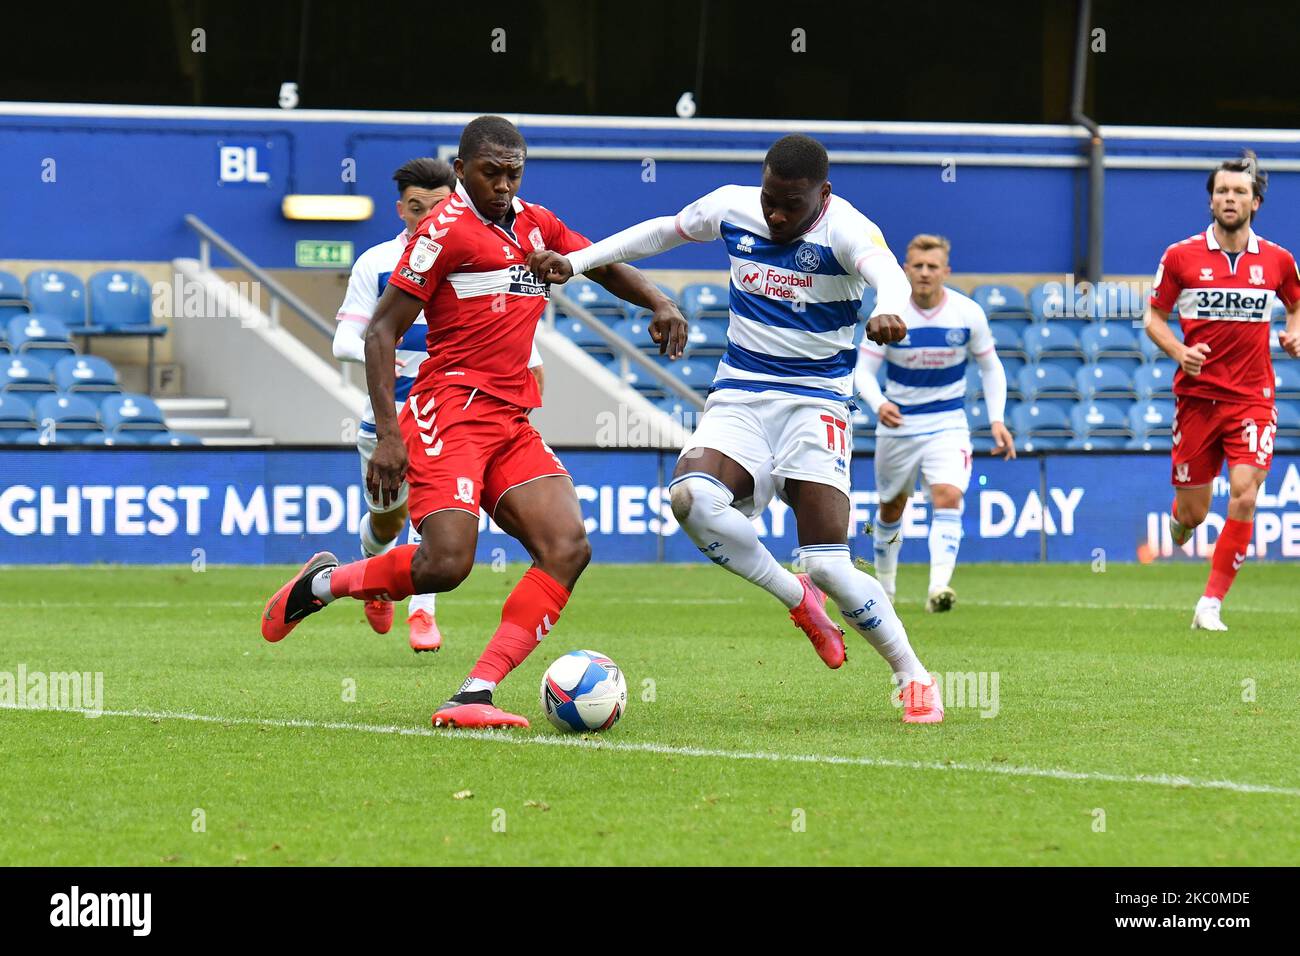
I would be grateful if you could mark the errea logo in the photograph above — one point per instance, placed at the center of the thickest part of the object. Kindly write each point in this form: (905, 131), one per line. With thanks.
(746, 244)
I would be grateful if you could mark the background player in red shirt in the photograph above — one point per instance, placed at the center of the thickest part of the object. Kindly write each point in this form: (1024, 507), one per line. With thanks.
(1223, 283)
(464, 435)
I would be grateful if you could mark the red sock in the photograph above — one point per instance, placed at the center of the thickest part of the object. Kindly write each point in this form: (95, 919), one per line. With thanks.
(386, 576)
(1229, 554)
(530, 611)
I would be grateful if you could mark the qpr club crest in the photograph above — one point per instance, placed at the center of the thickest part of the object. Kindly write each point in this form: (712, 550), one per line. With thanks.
(808, 258)
(956, 337)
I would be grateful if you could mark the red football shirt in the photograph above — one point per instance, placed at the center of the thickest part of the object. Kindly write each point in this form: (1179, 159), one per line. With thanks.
(1227, 306)
(481, 302)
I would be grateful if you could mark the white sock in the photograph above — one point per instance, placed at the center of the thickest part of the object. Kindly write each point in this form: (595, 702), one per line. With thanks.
(726, 537)
(473, 684)
(864, 606)
(371, 546)
(888, 540)
(320, 586)
(945, 540)
(418, 602)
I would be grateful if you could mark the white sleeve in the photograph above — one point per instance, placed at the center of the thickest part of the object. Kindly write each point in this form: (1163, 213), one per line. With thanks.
(860, 246)
(356, 311)
(350, 340)
(701, 221)
(993, 376)
(864, 376)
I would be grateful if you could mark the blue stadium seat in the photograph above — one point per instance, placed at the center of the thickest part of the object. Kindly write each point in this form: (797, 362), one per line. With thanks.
(1151, 443)
(175, 439)
(129, 412)
(1151, 418)
(25, 373)
(1051, 341)
(1037, 420)
(67, 411)
(595, 298)
(1287, 378)
(85, 373)
(702, 300)
(698, 375)
(1048, 304)
(57, 293)
(636, 333)
(634, 376)
(864, 423)
(1008, 339)
(1155, 380)
(1288, 417)
(35, 332)
(1152, 352)
(1046, 381)
(1287, 444)
(13, 300)
(707, 337)
(688, 415)
(1090, 419)
(1043, 443)
(1011, 366)
(1001, 300)
(982, 444)
(580, 335)
(1098, 443)
(121, 301)
(16, 412)
(1104, 380)
(1109, 340)
(1117, 301)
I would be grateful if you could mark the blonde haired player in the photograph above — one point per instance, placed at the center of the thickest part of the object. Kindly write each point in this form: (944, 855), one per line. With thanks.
(923, 429)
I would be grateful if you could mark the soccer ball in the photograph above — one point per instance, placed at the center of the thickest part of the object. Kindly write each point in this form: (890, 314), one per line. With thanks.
(582, 691)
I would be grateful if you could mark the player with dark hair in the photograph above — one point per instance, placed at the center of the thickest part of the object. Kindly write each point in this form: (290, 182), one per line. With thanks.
(777, 418)
(1223, 282)
(463, 436)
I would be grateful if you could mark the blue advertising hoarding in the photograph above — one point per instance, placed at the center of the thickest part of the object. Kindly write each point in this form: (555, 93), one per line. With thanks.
(255, 506)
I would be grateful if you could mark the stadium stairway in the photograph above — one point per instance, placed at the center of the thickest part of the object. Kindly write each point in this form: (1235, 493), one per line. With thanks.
(209, 419)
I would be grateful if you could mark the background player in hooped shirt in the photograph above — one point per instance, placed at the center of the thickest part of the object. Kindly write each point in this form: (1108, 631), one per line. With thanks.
(464, 437)
(923, 428)
(421, 184)
(776, 421)
(1223, 282)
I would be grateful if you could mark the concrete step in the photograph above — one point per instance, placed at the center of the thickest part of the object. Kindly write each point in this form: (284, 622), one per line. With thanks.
(212, 427)
(243, 442)
(194, 407)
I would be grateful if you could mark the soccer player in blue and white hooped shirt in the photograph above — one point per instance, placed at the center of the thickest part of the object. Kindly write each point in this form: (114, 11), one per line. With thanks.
(923, 428)
(777, 422)
(421, 184)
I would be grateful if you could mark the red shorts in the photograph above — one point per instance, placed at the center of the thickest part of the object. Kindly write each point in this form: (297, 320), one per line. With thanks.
(465, 447)
(1206, 432)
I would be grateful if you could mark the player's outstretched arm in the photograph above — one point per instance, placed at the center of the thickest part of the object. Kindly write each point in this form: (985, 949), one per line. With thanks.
(1190, 359)
(667, 327)
(878, 266)
(395, 314)
(647, 238)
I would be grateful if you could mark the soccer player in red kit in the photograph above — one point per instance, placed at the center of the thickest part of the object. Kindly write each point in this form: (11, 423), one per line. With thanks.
(464, 438)
(1223, 283)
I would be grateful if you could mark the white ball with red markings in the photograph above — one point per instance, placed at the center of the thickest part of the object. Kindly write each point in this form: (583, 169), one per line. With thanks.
(583, 691)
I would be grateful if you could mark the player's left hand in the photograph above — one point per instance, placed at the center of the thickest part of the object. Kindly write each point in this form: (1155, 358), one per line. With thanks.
(886, 329)
(549, 266)
(668, 330)
(1003, 444)
(1291, 342)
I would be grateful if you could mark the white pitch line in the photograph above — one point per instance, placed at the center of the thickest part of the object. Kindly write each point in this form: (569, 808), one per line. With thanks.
(496, 602)
(585, 743)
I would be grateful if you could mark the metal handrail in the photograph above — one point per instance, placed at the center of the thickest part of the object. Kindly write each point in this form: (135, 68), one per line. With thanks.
(627, 353)
(210, 237)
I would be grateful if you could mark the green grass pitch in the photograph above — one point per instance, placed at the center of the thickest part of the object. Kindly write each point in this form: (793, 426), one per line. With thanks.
(1120, 736)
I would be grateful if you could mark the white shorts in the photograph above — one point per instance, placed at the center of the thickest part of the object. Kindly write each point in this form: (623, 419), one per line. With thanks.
(366, 443)
(943, 458)
(776, 439)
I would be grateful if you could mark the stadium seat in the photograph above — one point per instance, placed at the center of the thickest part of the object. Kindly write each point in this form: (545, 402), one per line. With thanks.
(1104, 380)
(13, 300)
(1155, 380)
(635, 376)
(707, 337)
(1008, 339)
(16, 412)
(1051, 341)
(864, 423)
(704, 301)
(1151, 418)
(37, 332)
(1288, 417)
(577, 333)
(1049, 306)
(57, 293)
(1042, 443)
(1046, 381)
(25, 373)
(1152, 352)
(67, 411)
(85, 373)
(1151, 443)
(102, 438)
(1287, 378)
(121, 301)
(998, 301)
(1090, 419)
(980, 444)
(175, 439)
(698, 375)
(1109, 340)
(131, 412)
(636, 333)
(1036, 420)
(1116, 301)
(1288, 444)
(1011, 366)
(1098, 443)
(595, 298)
